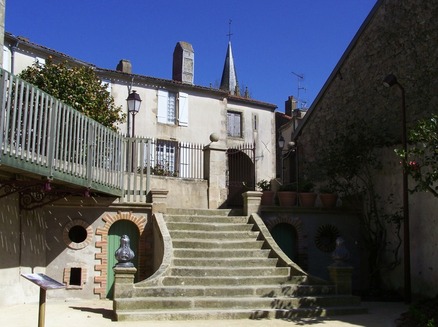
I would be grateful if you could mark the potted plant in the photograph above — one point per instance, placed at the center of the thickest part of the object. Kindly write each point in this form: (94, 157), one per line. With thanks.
(287, 195)
(328, 196)
(306, 194)
(267, 194)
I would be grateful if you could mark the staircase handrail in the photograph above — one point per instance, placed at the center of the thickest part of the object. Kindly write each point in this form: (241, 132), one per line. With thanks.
(161, 234)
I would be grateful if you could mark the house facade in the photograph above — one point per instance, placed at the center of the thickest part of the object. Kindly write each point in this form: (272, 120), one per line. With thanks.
(176, 110)
(72, 239)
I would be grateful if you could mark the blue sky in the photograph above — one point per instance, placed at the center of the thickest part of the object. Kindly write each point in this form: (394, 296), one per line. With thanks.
(273, 41)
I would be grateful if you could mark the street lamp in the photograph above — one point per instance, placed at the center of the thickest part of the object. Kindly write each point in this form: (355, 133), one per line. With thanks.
(134, 102)
(285, 153)
(389, 81)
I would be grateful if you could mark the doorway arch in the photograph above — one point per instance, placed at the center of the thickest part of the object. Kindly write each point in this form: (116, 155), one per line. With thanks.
(286, 237)
(241, 173)
(119, 228)
(101, 268)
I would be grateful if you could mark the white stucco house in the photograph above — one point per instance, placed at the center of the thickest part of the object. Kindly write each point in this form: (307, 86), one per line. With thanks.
(72, 237)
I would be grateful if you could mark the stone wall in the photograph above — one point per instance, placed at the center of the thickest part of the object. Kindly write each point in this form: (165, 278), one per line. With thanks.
(23, 251)
(398, 37)
(183, 193)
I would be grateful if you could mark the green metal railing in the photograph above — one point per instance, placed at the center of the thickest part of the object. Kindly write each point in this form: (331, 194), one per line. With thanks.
(42, 135)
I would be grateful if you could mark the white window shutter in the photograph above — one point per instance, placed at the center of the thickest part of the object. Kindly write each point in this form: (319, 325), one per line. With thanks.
(162, 107)
(183, 113)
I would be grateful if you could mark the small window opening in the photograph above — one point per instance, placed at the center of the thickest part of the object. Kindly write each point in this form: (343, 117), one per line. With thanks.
(77, 234)
(75, 277)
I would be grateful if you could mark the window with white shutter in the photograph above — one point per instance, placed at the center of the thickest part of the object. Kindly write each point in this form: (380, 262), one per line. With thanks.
(173, 108)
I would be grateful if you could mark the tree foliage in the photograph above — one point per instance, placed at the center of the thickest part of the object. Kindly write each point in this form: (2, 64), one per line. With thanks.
(78, 87)
(421, 159)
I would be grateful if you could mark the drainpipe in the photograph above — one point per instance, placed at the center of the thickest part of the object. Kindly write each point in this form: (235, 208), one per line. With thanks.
(13, 48)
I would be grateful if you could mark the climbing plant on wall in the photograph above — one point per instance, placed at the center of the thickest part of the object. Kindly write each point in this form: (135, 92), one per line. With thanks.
(421, 161)
(350, 164)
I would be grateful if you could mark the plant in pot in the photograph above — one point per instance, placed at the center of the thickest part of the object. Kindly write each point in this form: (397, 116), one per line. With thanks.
(328, 196)
(306, 194)
(267, 194)
(287, 195)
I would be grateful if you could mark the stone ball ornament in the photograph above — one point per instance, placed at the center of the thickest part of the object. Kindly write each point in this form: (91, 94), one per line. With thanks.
(214, 137)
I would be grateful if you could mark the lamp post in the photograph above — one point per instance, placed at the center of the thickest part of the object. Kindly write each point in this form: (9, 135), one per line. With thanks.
(134, 102)
(285, 153)
(389, 81)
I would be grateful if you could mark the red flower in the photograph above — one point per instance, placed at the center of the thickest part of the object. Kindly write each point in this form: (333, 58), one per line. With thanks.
(414, 165)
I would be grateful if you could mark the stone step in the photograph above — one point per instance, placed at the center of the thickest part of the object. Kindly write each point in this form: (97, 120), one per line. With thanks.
(221, 314)
(274, 290)
(226, 280)
(213, 235)
(237, 272)
(209, 226)
(225, 262)
(206, 302)
(221, 253)
(220, 270)
(204, 212)
(206, 219)
(208, 244)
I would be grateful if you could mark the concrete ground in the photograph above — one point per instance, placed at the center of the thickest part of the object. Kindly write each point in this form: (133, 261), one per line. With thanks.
(98, 313)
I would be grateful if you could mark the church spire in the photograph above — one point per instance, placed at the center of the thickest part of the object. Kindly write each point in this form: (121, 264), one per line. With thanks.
(229, 78)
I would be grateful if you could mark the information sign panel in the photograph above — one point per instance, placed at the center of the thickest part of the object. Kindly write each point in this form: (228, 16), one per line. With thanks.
(43, 281)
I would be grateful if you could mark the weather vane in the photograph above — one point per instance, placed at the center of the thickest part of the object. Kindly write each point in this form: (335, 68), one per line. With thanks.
(229, 31)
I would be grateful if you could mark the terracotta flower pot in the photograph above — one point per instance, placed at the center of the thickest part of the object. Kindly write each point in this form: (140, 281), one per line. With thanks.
(287, 199)
(328, 200)
(307, 200)
(267, 198)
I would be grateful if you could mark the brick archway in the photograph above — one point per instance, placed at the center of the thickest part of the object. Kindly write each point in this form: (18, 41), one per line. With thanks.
(297, 224)
(101, 268)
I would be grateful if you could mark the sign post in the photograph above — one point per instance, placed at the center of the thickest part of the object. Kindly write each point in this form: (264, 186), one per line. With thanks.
(45, 283)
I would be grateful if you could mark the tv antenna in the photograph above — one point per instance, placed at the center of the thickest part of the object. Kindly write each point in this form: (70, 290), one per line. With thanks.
(300, 78)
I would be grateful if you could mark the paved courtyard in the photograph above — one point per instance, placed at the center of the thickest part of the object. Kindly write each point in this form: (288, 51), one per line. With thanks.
(98, 313)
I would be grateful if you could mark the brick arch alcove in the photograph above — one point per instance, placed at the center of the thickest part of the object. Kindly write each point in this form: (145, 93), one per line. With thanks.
(101, 268)
(296, 223)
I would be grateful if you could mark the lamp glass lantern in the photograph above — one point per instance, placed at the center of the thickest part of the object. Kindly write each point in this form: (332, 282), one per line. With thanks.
(134, 102)
(281, 142)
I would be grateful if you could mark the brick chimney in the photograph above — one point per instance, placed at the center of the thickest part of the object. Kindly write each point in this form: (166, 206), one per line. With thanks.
(124, 66)
(290, 105)
(183, 63)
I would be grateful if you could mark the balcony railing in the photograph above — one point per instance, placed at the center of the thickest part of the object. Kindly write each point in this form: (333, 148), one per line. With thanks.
(42, 135)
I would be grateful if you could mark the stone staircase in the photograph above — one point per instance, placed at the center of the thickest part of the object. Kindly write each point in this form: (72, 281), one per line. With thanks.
(223, 267)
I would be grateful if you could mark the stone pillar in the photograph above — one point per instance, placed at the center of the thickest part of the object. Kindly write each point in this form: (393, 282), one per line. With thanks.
(341, 277)
(123, 281)
(251, 202)
(340, 272)
(159, 200)
(215, 167)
